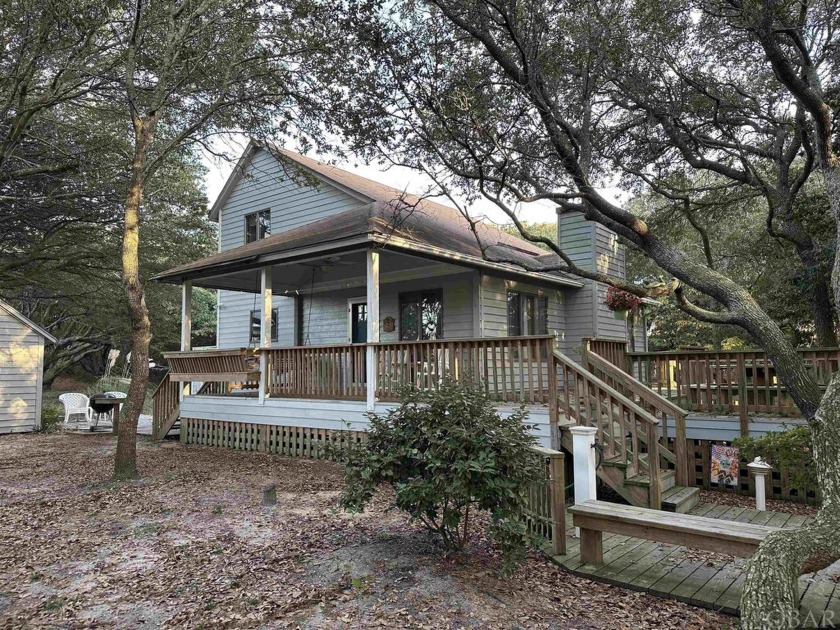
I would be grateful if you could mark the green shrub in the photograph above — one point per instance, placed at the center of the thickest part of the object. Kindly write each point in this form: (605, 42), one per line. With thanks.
(448, 455)
(52, 417)
(789, 449)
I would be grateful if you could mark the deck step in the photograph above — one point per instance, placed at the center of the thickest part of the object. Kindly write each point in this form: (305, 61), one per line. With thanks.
(680, 499)
(666, 480)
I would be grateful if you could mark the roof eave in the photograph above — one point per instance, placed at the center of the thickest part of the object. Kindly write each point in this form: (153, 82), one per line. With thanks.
(26, 321)
(472, 261)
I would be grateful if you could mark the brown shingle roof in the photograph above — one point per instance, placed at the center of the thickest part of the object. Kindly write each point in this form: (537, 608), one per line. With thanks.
(391, 216)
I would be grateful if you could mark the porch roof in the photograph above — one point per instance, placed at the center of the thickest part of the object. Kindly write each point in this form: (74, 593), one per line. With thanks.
(386, 218)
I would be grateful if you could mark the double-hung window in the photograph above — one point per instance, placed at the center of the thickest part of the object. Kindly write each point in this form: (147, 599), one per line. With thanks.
(421, 315)
(527, 314)
(257, 225)
(256, 326)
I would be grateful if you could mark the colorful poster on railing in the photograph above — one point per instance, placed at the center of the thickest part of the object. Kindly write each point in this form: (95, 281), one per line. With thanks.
(724, 465)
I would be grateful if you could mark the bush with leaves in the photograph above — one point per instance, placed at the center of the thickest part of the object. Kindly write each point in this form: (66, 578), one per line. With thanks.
(449, 455)
(784, 450)
(52, 417)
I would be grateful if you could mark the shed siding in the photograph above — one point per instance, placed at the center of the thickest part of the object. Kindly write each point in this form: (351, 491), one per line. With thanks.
(21, 365)
(266, 186)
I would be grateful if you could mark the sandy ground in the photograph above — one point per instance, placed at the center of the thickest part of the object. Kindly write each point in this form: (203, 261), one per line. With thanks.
(190, 545)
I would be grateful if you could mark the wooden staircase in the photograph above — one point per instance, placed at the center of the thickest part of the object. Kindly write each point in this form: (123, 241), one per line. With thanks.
(637, 460)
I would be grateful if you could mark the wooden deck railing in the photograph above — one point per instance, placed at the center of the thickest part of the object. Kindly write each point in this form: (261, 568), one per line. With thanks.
(236, 365)
(333, 372)
(627, 432)
(658, 406)
(545, 505)
(613, 350)
(731, 381)
(165, 403)
(514, 369)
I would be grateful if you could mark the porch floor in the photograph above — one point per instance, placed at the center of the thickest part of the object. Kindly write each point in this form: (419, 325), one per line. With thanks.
(709, 580)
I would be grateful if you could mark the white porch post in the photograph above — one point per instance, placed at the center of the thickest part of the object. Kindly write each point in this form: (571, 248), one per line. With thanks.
(186, 328)
(265, 329)
(372, 324)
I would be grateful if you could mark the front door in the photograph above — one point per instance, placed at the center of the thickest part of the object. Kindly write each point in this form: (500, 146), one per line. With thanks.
(358, 322)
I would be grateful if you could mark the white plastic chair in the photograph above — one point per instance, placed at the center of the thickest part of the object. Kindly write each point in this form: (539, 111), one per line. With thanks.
(76, 405)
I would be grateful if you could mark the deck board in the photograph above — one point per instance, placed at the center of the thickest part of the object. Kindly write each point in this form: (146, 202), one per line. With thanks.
(675, 572)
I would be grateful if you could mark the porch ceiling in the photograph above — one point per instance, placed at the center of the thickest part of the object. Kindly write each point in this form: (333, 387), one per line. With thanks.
(343, 270)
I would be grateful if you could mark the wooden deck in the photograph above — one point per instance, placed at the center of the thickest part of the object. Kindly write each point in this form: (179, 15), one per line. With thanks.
(690, 576)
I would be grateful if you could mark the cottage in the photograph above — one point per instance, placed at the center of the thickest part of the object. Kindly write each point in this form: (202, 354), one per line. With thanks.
(21, 370)
(334, 290)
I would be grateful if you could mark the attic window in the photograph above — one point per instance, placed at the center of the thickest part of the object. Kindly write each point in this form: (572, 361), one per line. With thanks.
(257, 225)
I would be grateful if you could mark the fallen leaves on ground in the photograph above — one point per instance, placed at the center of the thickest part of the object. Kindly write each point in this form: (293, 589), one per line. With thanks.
(191, 545)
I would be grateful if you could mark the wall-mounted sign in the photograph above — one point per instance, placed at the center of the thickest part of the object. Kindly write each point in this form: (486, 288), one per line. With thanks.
(389, 324)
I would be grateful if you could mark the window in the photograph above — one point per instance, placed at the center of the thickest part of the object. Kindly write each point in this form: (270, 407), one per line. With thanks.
(421, 315)
(257, 225)
(256, 326)
(527, 314)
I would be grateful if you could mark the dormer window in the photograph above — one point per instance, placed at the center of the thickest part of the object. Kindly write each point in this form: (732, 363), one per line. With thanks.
(257, 225)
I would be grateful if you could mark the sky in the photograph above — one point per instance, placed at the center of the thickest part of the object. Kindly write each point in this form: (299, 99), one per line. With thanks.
(397, 177)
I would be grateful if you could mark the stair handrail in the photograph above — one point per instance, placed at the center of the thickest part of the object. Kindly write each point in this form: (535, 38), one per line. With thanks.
(569, 363)
(653, 401)
(649, 434)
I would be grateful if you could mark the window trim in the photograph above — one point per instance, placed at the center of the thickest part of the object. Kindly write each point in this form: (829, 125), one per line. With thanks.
(405, 297)
(256, 214)
(275, 315)
(540, 299)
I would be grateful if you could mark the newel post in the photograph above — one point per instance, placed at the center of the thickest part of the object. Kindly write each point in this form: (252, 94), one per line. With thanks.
(761, 470)
(583, 451)
(372, 325)
(265, 329)
(186, 330)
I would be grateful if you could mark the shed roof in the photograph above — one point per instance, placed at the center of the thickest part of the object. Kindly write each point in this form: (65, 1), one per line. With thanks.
(5, 306)
(391, 218)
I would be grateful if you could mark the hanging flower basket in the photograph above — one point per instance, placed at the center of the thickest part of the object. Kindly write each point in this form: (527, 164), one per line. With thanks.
(621, 303)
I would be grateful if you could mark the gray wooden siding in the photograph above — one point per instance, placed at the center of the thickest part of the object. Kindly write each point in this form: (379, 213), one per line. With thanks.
(21, 366)
(266, 186)
(234, 312)
(590, 246)
(325, 321)
(317, 414)
(493, 309)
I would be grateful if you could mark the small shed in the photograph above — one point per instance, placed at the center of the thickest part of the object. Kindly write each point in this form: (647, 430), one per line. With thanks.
(21, 371)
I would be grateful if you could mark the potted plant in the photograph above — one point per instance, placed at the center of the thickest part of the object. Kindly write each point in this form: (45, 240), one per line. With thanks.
(621, 302)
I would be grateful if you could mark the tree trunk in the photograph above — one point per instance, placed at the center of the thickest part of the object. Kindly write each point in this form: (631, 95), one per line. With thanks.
(770, 600)
(125, 461)
(819, 294)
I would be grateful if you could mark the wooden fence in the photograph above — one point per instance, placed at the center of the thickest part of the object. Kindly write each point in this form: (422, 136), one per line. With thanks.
(731, 381)
(780, 484)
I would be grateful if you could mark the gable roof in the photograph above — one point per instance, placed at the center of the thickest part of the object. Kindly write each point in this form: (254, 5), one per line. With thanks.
(5, 306)
(391, 218)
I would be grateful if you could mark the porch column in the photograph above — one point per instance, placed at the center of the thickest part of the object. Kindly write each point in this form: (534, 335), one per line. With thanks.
(265, 329)
(372, 324)
(186, 329)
